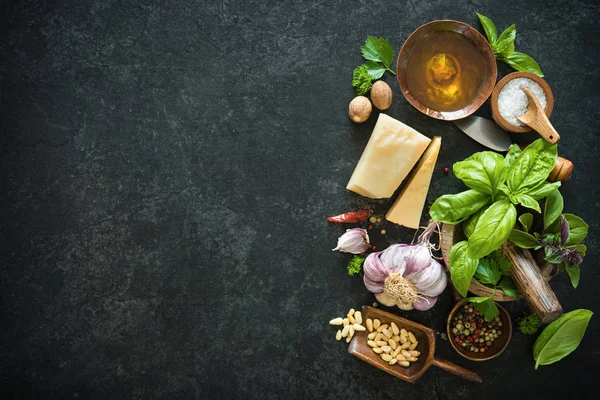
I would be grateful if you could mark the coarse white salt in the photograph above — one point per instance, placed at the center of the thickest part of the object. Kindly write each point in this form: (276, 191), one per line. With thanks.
(512, 101)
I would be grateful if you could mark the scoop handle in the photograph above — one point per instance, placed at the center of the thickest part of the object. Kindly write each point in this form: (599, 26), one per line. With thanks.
(456, 370)
(540, 123)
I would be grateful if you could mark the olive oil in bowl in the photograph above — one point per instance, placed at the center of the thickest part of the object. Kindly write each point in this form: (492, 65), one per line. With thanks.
(445, 71)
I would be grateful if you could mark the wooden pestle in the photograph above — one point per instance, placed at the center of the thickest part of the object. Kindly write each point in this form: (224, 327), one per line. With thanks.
(532, 286)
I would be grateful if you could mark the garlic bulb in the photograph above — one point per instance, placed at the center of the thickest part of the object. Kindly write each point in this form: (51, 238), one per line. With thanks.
(355, 241)
(406, 275)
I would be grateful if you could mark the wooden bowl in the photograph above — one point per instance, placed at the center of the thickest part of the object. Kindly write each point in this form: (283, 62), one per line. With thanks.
(494, 102)
(497, 347)
(478, 41)
(452, 234)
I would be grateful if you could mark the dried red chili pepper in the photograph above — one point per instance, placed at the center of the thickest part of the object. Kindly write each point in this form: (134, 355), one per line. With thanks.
(351, 217)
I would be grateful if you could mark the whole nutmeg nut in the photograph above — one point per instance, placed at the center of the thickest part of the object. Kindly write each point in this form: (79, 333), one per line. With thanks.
(359, 109)
(381, 95)
(562, 170)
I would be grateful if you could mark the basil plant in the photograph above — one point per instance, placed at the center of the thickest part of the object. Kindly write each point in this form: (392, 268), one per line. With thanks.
(487, 210)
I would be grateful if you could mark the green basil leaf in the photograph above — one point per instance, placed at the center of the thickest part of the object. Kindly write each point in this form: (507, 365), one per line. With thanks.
(469, 224)
(561, 337)
(522, 62)
(514, 151)
(508, 286)
(374, 69)
(553, 256)
(505, 46)
(487, 307)
(526, 220)
(482, 171)
(505, 190)
(455, 208)
(532, 167)
(487, 273)
(523, 239)
(553, 208)
(478, 299)
(573, 272)
(462, 267)
(489, 28)
(543, 190)
(526, 201)
(492, 229)
(578, 229)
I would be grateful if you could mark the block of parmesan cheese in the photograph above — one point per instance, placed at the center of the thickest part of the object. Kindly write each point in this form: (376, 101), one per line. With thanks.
(392, 151)
(408, 208)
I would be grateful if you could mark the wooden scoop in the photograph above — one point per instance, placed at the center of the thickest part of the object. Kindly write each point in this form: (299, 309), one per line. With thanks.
(426, 338)
(536, 118)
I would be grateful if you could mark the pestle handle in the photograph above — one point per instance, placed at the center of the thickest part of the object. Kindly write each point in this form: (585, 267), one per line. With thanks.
(456, 370)
(532, 286)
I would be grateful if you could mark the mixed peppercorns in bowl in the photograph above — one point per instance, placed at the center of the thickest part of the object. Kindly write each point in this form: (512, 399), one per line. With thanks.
(475, 338)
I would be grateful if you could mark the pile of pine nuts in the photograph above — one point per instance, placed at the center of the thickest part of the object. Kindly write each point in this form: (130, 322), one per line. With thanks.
(352, 323)
(394, 345)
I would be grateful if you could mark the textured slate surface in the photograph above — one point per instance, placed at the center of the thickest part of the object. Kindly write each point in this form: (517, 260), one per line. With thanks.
(166, 168)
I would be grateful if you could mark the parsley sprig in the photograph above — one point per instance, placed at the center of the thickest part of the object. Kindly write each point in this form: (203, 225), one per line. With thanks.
(379, 55)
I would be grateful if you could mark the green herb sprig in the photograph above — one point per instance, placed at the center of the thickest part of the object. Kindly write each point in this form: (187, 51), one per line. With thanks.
(379, 55)
(529, 324)
(355, 265)
(504, 47)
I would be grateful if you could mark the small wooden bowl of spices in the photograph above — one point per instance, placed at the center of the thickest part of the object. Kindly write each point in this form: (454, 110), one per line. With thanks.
(509, 101)
(473, 337)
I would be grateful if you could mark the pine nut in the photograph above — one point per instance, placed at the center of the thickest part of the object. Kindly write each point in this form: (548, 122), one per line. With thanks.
(377, 350)
(400, 357)
(345, 330)
(359, 328)
(336, 321)
(381, 343)
(403, 339)
(346, 321)
(378, 337)
(351, 331)
(403, 332)
(405, 354)
(393, 344)
(371, 336)
(358, 317)
(411, 359)
(338, 335)
(351, 318)
(412, 337)
(386, 349)
(376, 323)
(393, 361)
(382, 327)
(404, 363)
(387, 333)
(413, 346)
(406, 345)
(415, 353)
(396, 352)
(371, 343)
(396, 338)
(348, 339)
(370, 324)
(395, 328)
(386, 357)
(351, 312)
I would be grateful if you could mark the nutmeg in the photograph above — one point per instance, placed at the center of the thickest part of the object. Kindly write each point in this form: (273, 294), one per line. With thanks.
(381, 95)
(359, 109)
(562, 171)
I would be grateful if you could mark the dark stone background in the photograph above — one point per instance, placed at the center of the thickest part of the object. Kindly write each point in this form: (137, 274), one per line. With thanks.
(166, 168)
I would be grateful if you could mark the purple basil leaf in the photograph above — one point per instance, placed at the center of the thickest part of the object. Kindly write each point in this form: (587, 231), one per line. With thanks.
(564, 230)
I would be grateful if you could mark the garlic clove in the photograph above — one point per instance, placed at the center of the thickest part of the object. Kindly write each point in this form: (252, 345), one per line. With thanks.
(373, 286)
(405, 306)
(418, 261)
(373, 268)
(424, 303)
(355, 241)
(430, 281)
(385, 299)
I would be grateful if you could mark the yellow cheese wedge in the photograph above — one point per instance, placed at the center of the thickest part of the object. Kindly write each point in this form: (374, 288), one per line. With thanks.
(408, 208)
(392, 151)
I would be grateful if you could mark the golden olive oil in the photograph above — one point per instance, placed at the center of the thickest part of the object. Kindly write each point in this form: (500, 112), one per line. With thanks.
(445, 71)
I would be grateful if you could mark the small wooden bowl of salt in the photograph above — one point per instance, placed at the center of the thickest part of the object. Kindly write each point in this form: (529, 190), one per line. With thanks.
(509, 101)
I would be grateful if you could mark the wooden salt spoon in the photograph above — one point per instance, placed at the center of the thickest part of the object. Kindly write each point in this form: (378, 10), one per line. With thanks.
(536, 118)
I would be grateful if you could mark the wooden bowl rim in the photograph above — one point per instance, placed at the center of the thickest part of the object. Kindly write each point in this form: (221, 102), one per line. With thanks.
(506, 321)
(496, 92)
(486, 88)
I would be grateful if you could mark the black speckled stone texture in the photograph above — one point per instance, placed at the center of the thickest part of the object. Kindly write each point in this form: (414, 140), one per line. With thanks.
(166, 168)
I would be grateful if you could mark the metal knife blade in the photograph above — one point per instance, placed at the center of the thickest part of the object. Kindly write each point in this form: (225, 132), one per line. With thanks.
(485, 131)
